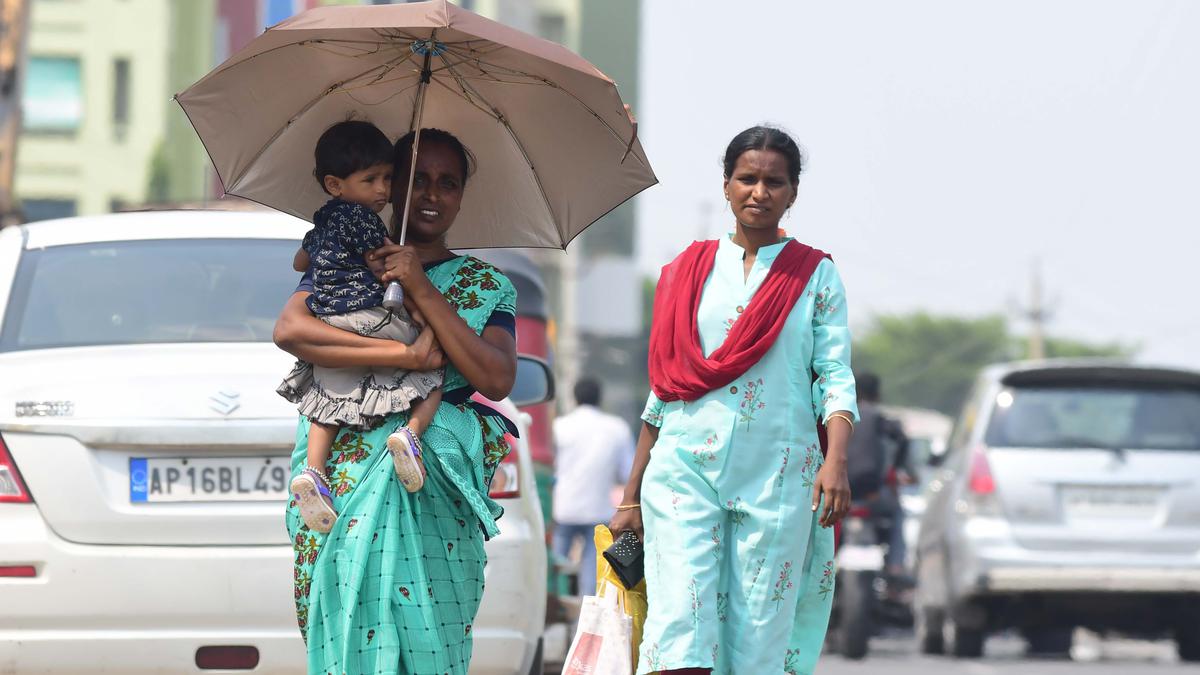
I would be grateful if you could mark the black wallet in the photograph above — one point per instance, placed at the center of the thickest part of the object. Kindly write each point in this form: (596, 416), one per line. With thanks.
(625, 556)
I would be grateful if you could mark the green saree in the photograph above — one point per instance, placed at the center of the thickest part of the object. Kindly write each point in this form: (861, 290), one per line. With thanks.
(395, 586)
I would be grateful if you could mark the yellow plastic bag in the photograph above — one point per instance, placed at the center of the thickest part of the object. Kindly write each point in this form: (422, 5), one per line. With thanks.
(633, 600)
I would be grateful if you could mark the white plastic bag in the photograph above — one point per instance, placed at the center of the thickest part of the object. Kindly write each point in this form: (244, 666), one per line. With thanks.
(604, 640)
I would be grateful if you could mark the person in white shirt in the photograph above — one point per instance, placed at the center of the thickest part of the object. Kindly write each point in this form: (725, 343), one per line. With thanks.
(594, 455)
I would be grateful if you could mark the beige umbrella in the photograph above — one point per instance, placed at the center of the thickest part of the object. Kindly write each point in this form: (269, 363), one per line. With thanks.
(556, 147)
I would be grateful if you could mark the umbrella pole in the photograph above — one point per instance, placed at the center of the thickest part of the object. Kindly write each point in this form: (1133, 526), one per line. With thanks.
(393, 297)
(412, 166)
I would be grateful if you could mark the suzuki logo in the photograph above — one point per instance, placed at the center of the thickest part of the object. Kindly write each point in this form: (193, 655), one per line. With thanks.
(224, 401)
(45, 409)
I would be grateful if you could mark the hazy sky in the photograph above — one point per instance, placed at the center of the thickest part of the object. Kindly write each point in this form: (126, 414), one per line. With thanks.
(951, 145)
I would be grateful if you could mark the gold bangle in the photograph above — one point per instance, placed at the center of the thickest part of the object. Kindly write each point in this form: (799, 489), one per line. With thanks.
(629, 507)
(842, 415)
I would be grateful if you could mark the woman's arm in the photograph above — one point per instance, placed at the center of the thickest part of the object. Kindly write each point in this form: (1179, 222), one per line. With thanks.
(305, 336)
(631, 519)
(835, 391)
(488, 361)
(831, 480)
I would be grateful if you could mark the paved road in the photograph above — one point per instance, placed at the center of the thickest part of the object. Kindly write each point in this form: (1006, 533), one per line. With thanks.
(1004, 656)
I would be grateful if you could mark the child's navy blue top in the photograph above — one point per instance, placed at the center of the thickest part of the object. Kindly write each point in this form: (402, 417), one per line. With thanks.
(499, 318)
(342, 234)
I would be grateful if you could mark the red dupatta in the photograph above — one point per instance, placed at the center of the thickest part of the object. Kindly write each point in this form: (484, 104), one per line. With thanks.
(678, 368)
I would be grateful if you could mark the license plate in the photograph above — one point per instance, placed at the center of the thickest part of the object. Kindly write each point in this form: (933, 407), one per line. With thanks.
(208, 479)
(1108, 502)
(851, 557)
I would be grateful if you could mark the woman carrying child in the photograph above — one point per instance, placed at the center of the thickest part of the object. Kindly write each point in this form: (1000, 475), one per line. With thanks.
(395, 585)
(354, 167)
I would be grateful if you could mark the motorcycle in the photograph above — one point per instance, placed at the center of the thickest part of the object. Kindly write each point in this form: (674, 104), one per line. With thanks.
(866, 598)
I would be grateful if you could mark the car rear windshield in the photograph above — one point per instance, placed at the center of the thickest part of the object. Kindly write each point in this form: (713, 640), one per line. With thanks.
(144, 292)
(1141, 417)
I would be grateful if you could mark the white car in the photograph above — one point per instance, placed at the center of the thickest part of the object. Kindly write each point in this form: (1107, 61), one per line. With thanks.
(142, 341)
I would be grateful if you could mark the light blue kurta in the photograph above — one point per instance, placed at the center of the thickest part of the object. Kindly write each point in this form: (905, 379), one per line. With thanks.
(739, 574)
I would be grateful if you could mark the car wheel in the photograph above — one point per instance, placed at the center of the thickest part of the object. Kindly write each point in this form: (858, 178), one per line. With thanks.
(1049, 641)
(930, 622)
(966, 643)
(538, 667)
(968, 629)
(1187, 639)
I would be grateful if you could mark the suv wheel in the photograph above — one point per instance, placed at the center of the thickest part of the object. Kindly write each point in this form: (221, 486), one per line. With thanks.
(1049, 641)
(968, 630)
(930, 624)
(967, 643)
(1187, 638)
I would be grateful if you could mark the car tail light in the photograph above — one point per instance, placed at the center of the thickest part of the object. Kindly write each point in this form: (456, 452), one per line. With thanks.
(980, 479)
(981, 487)
(227, 658)
(22, 571)
(506, 484)
(12, 488)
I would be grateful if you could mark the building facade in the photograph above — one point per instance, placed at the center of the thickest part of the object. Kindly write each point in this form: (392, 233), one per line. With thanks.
(93, 105)
(100, 133)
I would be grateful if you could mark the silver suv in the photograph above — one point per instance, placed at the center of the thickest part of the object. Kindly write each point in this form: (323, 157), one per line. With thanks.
(1069, 496)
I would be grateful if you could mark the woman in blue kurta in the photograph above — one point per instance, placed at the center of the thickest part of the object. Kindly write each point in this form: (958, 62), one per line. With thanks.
(730, 481)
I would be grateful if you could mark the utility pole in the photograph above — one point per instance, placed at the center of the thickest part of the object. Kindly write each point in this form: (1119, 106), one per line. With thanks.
(705, 224)
(570, 352)
(14, 22)
(1036, 314)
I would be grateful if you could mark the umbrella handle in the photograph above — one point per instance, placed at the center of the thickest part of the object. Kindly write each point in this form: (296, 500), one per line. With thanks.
(393, 297)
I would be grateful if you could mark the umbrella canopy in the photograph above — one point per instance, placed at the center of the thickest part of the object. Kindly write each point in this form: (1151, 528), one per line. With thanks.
(556, 149)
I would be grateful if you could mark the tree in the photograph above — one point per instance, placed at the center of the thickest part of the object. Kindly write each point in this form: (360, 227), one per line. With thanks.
(930, 361)
(1059, 348)
(158, 185)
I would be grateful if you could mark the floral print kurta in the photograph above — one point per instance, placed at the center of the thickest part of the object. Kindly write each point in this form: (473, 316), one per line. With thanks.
(739, 573)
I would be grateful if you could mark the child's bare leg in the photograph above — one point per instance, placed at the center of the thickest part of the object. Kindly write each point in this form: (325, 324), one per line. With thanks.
(422, 416)
(311, 487)
(423, 412)
(405, 443)
(320, 444)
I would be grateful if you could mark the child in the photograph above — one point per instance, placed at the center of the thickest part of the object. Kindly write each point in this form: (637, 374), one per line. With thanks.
(354, 166)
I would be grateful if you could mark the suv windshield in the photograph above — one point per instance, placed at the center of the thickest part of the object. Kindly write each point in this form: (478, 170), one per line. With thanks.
(1096, 417)
(142, 292)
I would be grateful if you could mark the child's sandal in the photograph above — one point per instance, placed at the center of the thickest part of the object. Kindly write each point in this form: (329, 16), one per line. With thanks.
(311, 491)
(406, 453)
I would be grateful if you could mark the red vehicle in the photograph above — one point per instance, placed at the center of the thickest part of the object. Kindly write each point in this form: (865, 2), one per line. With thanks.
(532, 340)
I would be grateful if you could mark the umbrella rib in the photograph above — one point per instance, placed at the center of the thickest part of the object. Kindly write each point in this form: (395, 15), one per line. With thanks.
(537, 179)
(301, 43)
(466, 96)
(387, 68)
(329, 48)
(294, 118)
(350, 93)
(471, 53)
(554, 85)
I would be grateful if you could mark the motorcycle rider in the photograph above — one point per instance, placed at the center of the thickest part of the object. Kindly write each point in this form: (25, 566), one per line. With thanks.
(877, 458)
